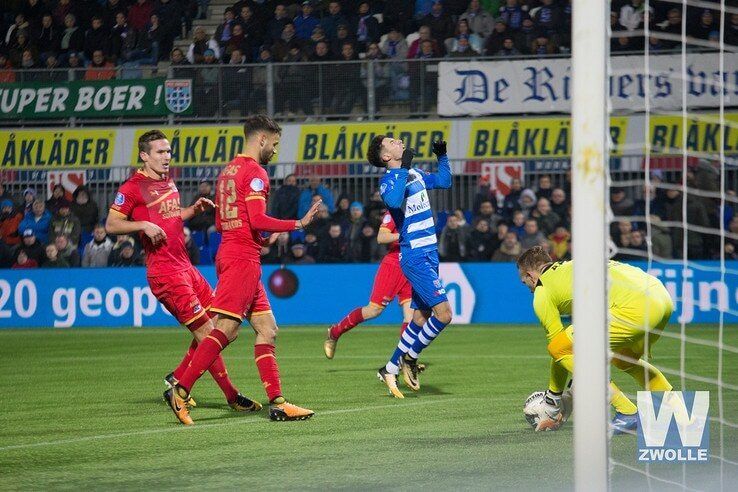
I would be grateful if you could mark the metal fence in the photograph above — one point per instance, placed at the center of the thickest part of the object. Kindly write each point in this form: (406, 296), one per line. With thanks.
(356, 182)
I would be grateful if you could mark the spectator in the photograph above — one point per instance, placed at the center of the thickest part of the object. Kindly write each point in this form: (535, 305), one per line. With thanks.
(424, 34)
(621, 235)
(342, 215)
(512, 13)
(463, 48)
(33, 11)
(29, 196)
(374, 209)
(177, 59)
(544, 187)
(67, 250)
(661, 245)
(97, 251)
(523, 39)
(225, 29)
(32, 247)
(311, 245)
(139, 15)
(170, 16)
(482, 242)
(315, 187)
(673, 25)
(192, 250)
(97, 38)
(395, 46)
(619, 203)
(518, 223)
(99, 68)
(66, 224)
(559, 203)
(348, 91)
(53, 259)
(85, 209)
(508, 48)
(452, 243)
(299, 256)
(559, 240)
(731, 31)
(342, 37)
(527, 201)
(423, 79)
(251, 25)
(509, 250)
(495, 41)
(120, 240)
(333, 246)
(10, 220)
(122, 37)
(354, 231)
(206, 87)
(286, 199)
(549, 18)
(479, 21)
(283, 43)
(75, 63)
(632, 15)
(47, 36)
(533, 236)
(440, 23)
(306, 22)
(696, 216)
(546, 218)
(543, 45)
(365, 28)
(511, 203)
(73, 38)
(23, 261)
(57, 200)
(7, 74)
(110, 12)
(61, 10)
(38, 221)
(487, 213)
(276, 24)
(201, 43)
(204, 221)
(126, 258)
(331, 21)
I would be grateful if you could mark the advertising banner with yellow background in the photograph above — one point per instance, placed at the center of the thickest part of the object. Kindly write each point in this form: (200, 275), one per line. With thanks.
(703, 134)
(529, 138)
(348, 142)
(198, 145)
(26, 149)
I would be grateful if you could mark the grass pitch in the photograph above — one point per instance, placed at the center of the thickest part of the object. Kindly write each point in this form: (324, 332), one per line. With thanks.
(82, 409)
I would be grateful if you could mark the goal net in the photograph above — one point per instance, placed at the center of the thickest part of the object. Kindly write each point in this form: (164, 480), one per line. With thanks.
(668, 194)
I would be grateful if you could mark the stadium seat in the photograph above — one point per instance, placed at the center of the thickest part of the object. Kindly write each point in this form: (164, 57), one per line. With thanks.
(214, 240)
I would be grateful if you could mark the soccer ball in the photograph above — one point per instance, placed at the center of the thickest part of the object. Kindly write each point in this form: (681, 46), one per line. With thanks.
(533, 407)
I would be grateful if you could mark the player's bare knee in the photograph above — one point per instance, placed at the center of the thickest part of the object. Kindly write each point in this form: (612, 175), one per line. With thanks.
(372, 311)
(443, 313)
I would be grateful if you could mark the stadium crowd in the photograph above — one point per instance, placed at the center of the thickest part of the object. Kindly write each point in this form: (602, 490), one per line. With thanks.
(103, 34)
(60, 233)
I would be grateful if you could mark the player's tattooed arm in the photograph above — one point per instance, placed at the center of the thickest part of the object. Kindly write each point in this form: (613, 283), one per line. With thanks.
(201, 205)
(117, 223)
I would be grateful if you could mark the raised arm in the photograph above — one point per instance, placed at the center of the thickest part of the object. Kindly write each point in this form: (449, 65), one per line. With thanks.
(256, 209)
(442, 178)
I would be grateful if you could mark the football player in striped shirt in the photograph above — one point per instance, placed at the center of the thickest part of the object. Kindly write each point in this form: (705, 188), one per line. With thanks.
(404, 191)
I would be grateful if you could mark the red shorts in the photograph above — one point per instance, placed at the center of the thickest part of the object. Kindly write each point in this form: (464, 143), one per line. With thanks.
(186, 294)
(239, 293)
(390, 282)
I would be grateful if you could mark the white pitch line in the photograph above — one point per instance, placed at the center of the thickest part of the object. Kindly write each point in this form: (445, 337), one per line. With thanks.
(180, 428)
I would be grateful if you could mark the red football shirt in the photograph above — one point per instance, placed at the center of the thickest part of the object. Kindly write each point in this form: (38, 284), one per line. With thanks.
(156, 201)
(389, 224)
(241, 196)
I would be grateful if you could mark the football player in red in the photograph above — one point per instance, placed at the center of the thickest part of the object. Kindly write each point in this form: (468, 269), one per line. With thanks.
(389, 282)
(148, 204)
(241, 196)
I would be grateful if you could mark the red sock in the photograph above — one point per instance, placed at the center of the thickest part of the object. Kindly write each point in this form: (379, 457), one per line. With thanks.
(402, 330)
(220, 375)
(182, 367)
(205, 354)
(352, 319)
(266, 362)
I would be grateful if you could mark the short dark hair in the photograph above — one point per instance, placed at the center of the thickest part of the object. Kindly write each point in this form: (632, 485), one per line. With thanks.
(533, 259)
(260, 123)
(375, 149)
(144, 141)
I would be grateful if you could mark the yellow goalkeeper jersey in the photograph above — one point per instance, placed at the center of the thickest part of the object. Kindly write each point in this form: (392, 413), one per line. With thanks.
(632, 294)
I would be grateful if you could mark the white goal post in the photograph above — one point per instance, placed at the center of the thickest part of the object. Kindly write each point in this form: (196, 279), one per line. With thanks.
(590, 142)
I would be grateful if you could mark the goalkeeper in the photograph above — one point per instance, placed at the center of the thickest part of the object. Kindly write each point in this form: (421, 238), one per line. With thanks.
(640, 308)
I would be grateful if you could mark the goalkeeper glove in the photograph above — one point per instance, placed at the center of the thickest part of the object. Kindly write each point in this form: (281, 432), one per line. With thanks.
(407, 158)
(551, 417)
(439, 148)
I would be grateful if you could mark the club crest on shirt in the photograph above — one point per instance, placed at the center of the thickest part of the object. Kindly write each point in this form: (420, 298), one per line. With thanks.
(383, 188)
(257, 184)
(386, 219)
(120, 199)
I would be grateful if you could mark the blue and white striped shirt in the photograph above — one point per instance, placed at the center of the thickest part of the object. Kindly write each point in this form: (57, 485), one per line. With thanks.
(405, 192)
